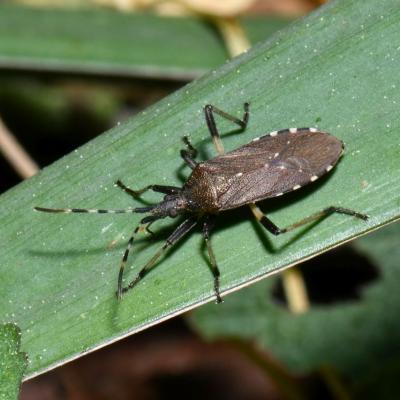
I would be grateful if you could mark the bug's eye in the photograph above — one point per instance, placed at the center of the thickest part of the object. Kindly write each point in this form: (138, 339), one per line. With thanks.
(173, 213)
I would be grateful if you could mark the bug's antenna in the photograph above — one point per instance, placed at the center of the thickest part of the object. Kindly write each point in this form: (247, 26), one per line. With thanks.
(95, 210)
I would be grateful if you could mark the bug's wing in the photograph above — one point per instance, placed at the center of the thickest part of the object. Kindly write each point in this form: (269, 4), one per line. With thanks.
(273, 165)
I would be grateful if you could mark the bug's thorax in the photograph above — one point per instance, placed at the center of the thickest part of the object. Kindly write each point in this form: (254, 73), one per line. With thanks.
(197, 196)
(201, 192)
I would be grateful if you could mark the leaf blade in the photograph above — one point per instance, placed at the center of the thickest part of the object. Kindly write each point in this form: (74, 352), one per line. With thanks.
(60, 272)
(105, 42)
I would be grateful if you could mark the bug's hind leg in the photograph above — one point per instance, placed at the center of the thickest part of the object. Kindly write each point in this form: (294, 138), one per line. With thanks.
(189, 154)
(207, 226)
(154, 188)
(274, 229)
(176, 235)
(293, 283)
(209, 111)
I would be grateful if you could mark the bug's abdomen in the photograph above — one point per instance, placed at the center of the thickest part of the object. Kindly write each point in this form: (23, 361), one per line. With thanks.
(272, 165)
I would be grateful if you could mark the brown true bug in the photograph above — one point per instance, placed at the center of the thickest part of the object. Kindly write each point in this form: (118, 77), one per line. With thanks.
(269, 166)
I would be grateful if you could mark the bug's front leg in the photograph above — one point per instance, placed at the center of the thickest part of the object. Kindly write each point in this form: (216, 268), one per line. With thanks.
(155, 188)
(274, 229)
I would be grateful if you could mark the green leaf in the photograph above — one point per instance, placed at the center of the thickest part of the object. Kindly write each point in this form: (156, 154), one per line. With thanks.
(337, 68)
(107, 42)
(13, 363)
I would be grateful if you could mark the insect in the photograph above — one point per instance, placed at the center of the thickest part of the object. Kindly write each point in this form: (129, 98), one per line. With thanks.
(269, 166)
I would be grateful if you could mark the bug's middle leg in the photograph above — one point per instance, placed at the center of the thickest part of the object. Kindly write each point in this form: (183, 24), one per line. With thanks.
(209, 111)
(274, 229)
(207, 226)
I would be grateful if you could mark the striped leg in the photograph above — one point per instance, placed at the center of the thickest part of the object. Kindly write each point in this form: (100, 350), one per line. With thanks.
(143, 226)
(209, 111)
(207, 226)
(176, 235)
(274, 229)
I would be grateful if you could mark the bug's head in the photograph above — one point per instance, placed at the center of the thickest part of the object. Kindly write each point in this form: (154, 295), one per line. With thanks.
(171, 206)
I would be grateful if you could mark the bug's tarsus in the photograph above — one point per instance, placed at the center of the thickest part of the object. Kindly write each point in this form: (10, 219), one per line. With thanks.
(208, 225)
(189, 154)
(184, 228)
(131, 192)
(209, 111)
(346, 211)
